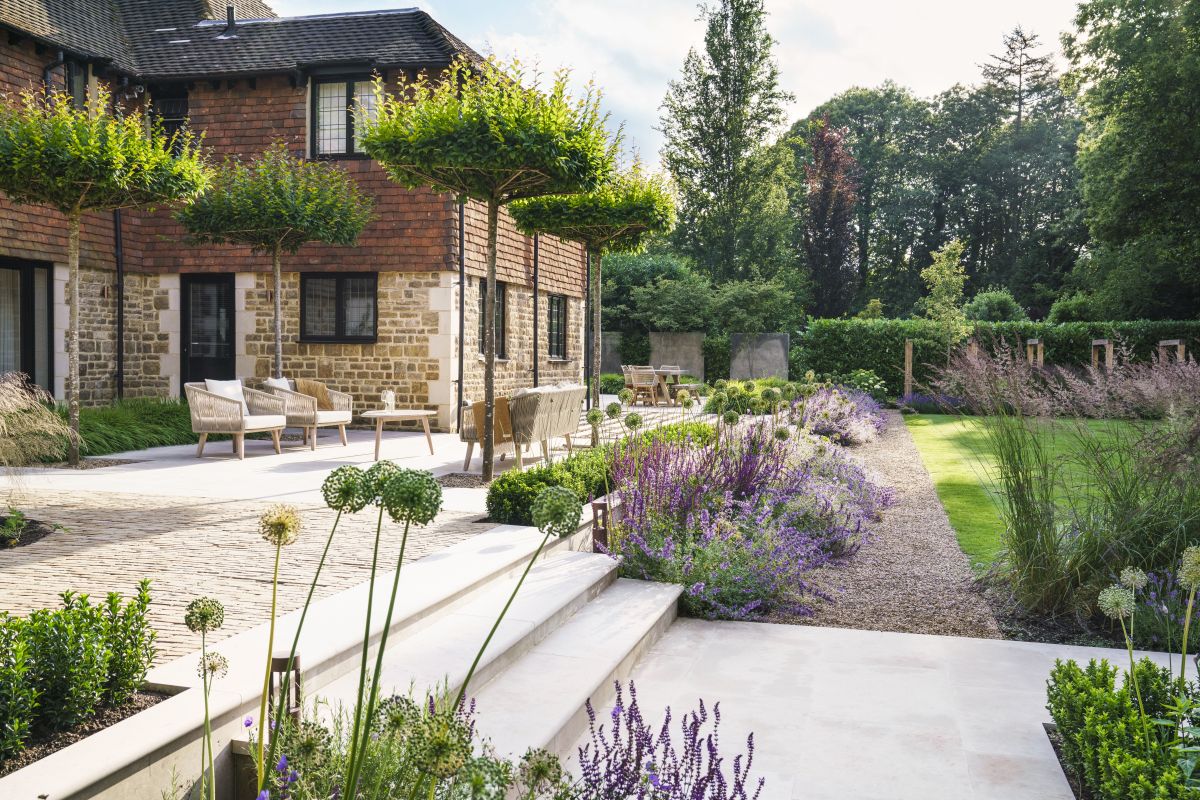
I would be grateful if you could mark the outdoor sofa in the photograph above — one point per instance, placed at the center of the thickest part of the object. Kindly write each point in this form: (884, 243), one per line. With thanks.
(540, 414)
(230, 408)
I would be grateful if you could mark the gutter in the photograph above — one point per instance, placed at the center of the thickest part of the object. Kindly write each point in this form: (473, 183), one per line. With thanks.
(49, 68)
(462, 301)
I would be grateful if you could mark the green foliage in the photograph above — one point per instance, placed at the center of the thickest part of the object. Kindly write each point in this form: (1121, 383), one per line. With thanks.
(752, 306)
(1076, 307)
(1101, 732)
(479, 131)
(1135, 64)
(133, 424)
(872, 310)
(510, 497)
(994, 305)
(30, 431)
(837, 347)
(626, 272)
(611, 382)
(13, 525)
(635, 348)
(130, 641)
(619, 215)
(944, 279)
(278, 203)
(18, 695)
(89, 159)
(717, 356)
(679, 303)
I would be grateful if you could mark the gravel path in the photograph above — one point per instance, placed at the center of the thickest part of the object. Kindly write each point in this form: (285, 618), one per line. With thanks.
(910, 576)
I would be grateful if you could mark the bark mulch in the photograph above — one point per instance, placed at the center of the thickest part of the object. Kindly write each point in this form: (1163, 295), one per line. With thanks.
(910, 575)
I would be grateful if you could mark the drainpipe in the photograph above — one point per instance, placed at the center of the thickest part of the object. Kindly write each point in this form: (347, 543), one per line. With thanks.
(462, 301)
(47, 78)
(536, 329)
(588, 333)
(119, 257)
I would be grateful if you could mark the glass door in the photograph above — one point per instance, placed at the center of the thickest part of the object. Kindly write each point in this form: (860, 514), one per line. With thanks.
(25, 320)
(207, 323)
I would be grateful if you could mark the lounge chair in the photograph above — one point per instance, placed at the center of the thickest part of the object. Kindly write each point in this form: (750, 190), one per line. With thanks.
(303, 407)
(529, 415)
(216, 412)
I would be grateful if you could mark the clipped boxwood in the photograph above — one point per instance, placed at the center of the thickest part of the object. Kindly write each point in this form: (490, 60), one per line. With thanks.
(611, 383)
(840, 346)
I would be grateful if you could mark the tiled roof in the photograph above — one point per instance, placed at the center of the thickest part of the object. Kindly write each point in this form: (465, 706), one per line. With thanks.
(165, 39)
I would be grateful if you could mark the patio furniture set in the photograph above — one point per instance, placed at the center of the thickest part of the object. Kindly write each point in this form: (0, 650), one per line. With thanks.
(656, 386)
(537, 415)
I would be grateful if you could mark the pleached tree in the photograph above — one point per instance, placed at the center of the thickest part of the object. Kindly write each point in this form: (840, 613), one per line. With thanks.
(82, 159)
(614, 218)
(274, 205)
(479, 131)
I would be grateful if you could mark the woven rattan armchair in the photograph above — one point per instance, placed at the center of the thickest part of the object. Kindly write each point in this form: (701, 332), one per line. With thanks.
(302, 412)
(212, 413)
(537, 415)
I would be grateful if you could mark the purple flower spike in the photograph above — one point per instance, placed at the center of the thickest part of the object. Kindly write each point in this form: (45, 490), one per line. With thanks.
(281, 765)
(247, 722)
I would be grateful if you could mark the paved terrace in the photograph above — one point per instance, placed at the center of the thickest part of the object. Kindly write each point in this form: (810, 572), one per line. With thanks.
(191, 525)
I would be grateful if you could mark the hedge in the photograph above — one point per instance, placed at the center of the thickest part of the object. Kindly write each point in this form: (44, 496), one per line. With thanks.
(840, 346)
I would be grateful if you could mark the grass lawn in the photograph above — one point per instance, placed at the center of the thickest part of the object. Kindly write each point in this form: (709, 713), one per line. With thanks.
(956, 453)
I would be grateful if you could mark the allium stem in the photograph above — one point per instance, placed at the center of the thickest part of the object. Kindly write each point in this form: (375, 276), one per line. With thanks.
(351, 766)
(285, 682)
(462, 690)
(263, 726)
(1187, 622)
(1137, 689)
(206, 749)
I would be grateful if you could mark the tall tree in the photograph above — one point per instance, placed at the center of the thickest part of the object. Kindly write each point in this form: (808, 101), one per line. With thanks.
(479, 132)
(275, 205)
(618, 216)
(1136, 66)
(84, 159)
(829, 222)
(716, 119)
(1023, 79)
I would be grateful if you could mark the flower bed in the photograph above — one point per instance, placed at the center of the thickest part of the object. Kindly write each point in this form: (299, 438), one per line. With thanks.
(743, 520)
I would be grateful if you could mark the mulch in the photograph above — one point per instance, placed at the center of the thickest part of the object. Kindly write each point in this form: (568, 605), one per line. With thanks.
(106, 717)
(461, 480)
(92, 463)
(35, 530)
(910, 575)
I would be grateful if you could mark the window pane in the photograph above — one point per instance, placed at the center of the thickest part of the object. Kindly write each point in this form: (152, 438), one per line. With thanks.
(500, 343)
(359, 298)
(331, 117)
(320, 307)
(41, 329)
(10, 320)
(364, 95)
(482, 306)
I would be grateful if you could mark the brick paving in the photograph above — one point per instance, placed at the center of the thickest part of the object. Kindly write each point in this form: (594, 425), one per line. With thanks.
(191, 547)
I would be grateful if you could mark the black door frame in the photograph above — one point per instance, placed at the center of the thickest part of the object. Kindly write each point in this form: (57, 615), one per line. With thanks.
(26, 269)
(185, 320)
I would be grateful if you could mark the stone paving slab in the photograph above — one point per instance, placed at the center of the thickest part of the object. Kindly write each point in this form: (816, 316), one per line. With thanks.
(190, 547)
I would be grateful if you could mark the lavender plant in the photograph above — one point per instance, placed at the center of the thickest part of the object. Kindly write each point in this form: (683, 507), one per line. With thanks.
(846, 416)
(627, 759)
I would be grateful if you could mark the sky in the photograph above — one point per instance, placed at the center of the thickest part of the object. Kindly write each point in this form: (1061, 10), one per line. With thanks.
(633, 48)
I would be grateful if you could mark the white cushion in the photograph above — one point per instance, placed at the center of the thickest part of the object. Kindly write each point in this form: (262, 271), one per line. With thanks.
(230, 389)
(333, 417)
(278, 383)
(261, 422)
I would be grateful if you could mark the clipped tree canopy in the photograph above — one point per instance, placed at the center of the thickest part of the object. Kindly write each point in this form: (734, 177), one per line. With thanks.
(86, 159)
(616, 217)
(477, 131)
(279, 202)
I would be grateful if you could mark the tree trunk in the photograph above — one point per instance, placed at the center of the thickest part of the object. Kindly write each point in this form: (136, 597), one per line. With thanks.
(596, 256)
(487, 435)
(278, 277)
(73, 336)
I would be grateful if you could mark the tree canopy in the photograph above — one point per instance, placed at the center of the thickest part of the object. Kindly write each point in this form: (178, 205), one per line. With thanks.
(479, 131)
(278, 203)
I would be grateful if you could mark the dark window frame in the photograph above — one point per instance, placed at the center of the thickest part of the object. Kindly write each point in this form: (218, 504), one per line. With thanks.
(557, 313)
(501, 316)
(339, 298)
(348, 80)
(28, 342)
(175, 99)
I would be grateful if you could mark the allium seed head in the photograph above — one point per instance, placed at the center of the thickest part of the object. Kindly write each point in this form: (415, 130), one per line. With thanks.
(1189, 568)
(612, 410)
(213, 665)
(279, 525)
(556, 511)
(633, 421)
(1116, 602)
(345, 490)
(730, 417)
(595, 417)
(782, 434)
(412, 495)
(1134, 578)
(375, 478)
(625, 396)
(204, 614)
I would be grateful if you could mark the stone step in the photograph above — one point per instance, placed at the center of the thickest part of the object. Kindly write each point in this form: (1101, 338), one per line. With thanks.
(440, 654)
(539, 701)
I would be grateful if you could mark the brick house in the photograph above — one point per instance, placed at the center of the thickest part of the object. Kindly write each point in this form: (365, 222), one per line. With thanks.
(399, 311)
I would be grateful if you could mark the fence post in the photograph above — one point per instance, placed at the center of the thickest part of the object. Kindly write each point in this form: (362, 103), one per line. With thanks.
(1164, 349)
(1035, 352)
(908, 367)
(1107, 346)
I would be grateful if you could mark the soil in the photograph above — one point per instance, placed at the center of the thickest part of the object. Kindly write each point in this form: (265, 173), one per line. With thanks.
(461, 480)
(1077, 788)
(41, 748)
(35, 530)
(909, 575)
(92, 463)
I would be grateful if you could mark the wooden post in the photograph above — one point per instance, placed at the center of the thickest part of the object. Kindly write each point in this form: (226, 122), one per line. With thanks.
(1035, 352)
(908, 367)
(1165, 347)
(973, 347)
(1105, 345)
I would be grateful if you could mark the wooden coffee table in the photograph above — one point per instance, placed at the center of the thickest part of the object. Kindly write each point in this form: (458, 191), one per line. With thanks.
(399, 415)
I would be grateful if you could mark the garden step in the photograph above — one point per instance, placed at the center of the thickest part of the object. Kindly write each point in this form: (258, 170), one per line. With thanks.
(554, 590)
(539, 701)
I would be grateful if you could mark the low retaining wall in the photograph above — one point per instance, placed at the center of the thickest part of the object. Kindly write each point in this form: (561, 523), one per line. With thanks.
(763, 355)
(683, 349)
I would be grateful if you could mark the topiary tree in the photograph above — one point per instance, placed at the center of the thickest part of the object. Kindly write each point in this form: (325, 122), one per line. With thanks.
(79, 160)
(276, 204)
(995, 305)
(615, 217)
(478, 132)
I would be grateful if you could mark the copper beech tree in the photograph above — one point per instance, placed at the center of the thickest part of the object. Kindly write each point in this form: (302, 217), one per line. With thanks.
(480, 131)
(81, 159)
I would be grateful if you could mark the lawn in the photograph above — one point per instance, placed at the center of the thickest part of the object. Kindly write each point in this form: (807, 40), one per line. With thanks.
(956, 453)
